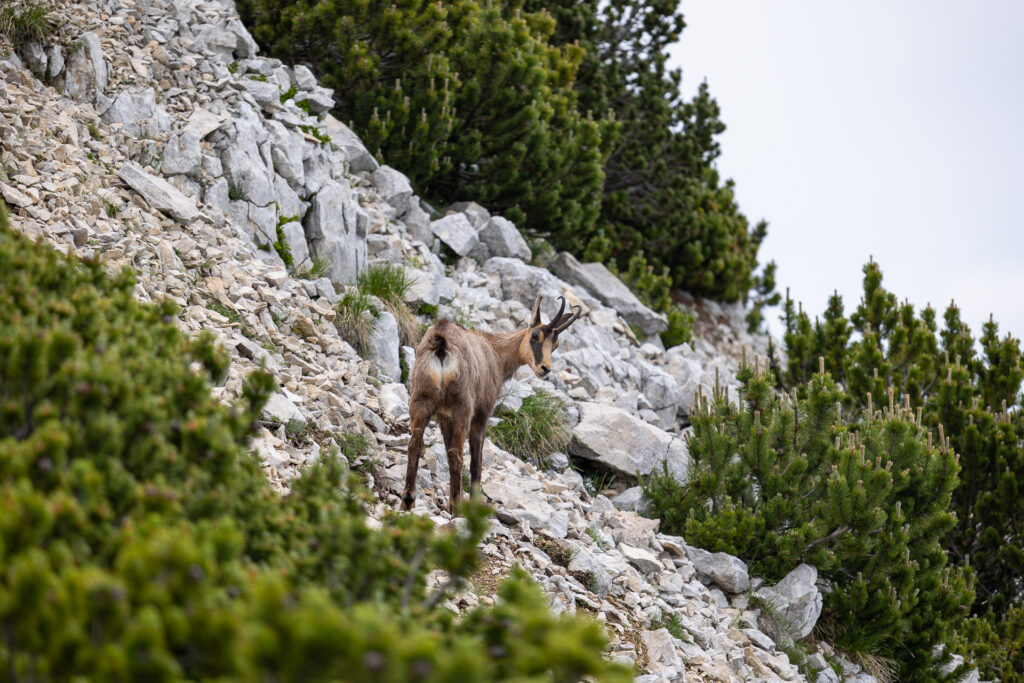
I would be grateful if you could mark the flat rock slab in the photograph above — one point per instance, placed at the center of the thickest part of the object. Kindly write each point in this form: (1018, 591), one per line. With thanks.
(158, 193)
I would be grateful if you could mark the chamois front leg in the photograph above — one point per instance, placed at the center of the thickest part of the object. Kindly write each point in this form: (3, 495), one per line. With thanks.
(420, 411)
(477, 432)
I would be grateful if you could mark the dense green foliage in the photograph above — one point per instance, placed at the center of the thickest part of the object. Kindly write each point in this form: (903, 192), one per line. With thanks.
(973, 398)
(564, 116)
(662, 194)
(782, 480)
(139, 541)
(995, 646)
(467, 98)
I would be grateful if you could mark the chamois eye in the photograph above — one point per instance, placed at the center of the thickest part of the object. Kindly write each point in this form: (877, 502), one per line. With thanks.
(535, 336)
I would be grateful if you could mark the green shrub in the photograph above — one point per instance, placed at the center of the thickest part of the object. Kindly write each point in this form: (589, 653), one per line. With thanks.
(139, 540)
(972, 398)
(779, 481)
(281, 245)
(662, 195)
(535, 431)
(680, 327)
(386, 281)
(996, 647)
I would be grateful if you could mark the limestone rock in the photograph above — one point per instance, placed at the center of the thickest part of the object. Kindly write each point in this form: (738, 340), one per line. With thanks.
(417, 221)
(320, 99)
(618, 441)
(429, 288)
(35, 58)
(85, 78)
(158, 193)
(137, 109)
(503, 239)
(600, 282)
(332, 229)
(202, 122)
(182, 154)
(720, 569)
(644, 560)
(384, 346)
(303, 77)
(349, 144)
(245, 47)
(281, 408)
(523, 283)
(660, 647)
(457, 232)
(797, 600)
(630, 499)
(394, 400)
(393, 187)
(295, 238)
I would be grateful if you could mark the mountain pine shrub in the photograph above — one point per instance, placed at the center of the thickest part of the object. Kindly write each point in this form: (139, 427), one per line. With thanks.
(139, 540)
(785, 479)
(975, 397)
(662, 196)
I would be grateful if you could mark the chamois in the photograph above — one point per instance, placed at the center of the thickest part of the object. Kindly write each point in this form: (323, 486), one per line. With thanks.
(457, 378)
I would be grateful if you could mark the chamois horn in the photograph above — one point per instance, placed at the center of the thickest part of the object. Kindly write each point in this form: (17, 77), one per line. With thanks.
(554, 327)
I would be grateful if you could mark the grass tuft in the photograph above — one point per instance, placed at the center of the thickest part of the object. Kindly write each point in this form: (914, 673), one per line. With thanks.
(313, 271)
(390, 283)
(353, 326)
(674, 625)
(25, 22)
(535, 431)
(354, 445)
(386, 281)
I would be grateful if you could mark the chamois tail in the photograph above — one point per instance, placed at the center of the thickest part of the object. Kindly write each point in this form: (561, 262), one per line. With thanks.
(440, 363)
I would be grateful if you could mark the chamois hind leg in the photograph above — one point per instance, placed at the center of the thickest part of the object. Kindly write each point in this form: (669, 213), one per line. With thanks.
(420, 410)
(459, 429)
(477, 431)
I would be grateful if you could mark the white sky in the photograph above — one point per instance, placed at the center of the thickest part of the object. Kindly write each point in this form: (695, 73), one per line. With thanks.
(893, 129)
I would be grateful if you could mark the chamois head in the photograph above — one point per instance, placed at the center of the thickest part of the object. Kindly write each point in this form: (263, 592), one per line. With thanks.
(535, 349)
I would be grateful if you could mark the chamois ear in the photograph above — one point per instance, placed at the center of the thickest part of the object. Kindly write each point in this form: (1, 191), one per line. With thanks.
(536, 313)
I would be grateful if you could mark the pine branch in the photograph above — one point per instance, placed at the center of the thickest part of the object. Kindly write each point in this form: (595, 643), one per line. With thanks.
(827, 539)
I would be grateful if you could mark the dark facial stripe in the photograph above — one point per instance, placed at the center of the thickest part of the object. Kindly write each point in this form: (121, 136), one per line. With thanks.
(537, 346)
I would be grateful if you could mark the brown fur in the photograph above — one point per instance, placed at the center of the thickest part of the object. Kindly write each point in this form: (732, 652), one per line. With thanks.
(457, 379)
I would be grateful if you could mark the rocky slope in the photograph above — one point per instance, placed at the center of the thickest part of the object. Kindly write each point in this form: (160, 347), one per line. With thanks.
(151, 135)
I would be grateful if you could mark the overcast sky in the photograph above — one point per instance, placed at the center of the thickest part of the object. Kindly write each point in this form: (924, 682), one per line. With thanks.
(892, 129)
